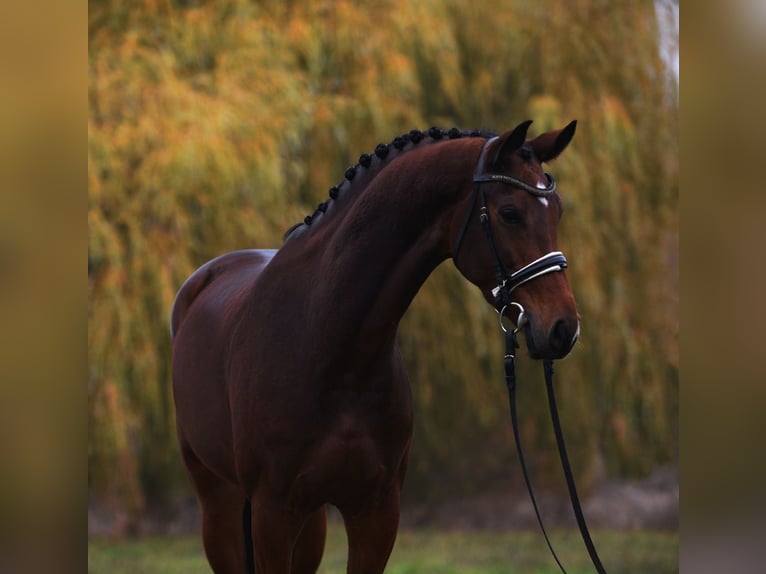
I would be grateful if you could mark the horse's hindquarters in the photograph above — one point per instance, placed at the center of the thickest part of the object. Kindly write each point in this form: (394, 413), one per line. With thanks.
(204, 313)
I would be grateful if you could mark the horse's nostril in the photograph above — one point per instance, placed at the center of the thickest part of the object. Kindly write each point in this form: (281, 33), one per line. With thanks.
(562, 337)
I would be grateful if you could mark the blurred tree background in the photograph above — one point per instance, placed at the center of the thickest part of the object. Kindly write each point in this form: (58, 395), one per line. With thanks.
(214, 126)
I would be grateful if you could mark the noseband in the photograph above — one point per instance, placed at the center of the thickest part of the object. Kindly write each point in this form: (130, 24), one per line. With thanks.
(507, 282)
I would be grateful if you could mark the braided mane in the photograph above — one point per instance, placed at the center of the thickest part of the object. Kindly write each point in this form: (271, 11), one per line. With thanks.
(381, 155)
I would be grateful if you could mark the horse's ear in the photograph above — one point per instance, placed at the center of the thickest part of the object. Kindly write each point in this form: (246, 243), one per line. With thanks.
(549, 145)
(508, 143)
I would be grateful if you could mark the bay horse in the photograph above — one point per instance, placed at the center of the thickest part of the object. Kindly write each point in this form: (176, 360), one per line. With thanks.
(289, 388)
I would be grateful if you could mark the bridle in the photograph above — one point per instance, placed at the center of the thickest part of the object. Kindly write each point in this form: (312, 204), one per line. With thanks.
(506, 283)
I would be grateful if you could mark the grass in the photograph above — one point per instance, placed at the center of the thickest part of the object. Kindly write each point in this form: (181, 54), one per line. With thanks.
(428, 551)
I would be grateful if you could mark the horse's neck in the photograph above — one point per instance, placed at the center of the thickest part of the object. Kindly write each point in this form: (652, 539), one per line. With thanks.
(373, 257)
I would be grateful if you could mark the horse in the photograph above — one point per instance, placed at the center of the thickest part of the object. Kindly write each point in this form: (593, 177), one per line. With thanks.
(289, 388)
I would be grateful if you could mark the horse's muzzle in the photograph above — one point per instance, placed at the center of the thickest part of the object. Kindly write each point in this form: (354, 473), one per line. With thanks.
(557, 343)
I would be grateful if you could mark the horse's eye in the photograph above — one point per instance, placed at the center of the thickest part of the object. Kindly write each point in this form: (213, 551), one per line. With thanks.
(510, 215)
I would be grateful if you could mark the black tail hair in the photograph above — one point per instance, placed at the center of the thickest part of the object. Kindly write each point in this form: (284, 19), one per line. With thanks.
(247, 527)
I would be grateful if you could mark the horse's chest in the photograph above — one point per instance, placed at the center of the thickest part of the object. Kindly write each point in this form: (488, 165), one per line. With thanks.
(356, 459)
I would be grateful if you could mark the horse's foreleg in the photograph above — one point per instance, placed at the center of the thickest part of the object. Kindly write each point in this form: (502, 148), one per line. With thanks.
(275, 531)
(372, 533)
(310, 544)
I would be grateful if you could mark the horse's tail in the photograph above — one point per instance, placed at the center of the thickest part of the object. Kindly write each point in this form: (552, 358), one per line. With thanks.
(247, 528)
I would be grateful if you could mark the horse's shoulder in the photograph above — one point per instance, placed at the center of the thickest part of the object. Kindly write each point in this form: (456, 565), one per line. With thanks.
(246, 260)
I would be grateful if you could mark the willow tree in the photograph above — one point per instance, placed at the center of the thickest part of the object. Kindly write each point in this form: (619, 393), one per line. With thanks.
(216, 125)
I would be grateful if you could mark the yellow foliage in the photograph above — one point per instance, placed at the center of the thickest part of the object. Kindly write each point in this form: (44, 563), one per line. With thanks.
(216, 125)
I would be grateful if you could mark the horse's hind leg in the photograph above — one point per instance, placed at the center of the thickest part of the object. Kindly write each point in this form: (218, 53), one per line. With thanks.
(222, 505)
(309, 547)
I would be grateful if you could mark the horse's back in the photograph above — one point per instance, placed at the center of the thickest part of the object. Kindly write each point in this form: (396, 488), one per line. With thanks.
(241, 267)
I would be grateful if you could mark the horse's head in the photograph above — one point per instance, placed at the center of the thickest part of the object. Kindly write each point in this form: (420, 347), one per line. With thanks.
(504, 237)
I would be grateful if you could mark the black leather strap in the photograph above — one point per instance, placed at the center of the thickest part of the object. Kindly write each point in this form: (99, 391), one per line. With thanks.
(474, 196)
(510, 380)
(548, 369)
(553, 261)
(515, 182)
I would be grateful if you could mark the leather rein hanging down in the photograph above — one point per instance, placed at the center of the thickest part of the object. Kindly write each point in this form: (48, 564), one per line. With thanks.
(506, 283)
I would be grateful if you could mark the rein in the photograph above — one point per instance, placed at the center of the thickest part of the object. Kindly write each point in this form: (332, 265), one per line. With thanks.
(510, 381)
(506, 283)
